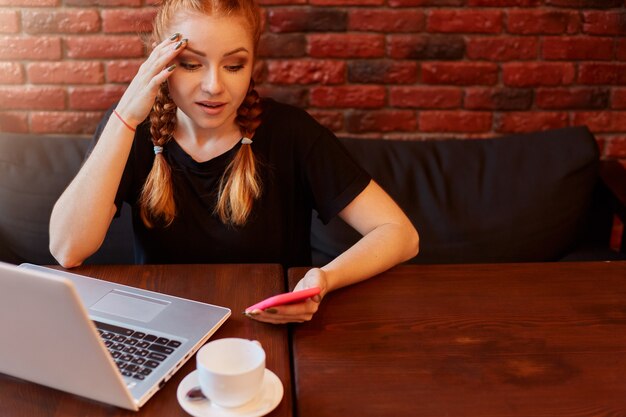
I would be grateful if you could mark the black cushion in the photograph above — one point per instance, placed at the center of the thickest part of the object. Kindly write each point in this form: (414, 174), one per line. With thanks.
(34, 171)
(511, 199)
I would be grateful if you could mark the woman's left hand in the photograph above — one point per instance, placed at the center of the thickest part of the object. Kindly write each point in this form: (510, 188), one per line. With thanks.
(300, 312)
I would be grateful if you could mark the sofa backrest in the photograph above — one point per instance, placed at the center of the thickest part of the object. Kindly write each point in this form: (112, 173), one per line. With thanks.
(34, 171)
(511, 199)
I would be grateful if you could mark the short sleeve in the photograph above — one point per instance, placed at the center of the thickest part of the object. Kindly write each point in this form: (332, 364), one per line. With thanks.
(334, 177)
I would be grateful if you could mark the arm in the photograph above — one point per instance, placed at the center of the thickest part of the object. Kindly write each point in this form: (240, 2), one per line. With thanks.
(389, 238)
(82, 215)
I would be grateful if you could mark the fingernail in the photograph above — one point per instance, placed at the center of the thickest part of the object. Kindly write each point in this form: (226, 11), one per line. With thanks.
(250, 313)
(174, 36)
(271, 310)
(171, 68)
(185, 40)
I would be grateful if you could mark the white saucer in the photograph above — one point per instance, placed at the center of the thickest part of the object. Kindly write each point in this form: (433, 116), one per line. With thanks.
(267, 400)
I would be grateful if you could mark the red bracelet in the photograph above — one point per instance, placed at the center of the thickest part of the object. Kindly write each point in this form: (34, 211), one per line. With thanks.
(124, 121)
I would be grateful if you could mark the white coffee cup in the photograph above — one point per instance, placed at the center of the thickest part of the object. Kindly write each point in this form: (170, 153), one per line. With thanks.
(231, 370)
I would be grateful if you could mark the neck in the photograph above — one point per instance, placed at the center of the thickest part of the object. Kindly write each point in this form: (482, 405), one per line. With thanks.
(205, 144)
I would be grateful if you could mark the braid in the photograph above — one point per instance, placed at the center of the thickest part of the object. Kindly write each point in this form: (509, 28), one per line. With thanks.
(157, 196)
(249, 113)
(240, 185)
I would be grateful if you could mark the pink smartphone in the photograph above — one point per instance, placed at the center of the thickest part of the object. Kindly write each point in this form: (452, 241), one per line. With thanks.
(284, 298)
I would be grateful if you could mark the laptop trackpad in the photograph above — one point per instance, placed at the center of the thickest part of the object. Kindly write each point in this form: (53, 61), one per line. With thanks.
(130, 306)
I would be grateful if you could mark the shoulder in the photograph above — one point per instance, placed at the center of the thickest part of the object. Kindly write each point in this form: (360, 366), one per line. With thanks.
(286, 118)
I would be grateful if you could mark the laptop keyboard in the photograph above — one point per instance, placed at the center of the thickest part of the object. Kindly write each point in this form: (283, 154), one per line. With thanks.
(137, 354)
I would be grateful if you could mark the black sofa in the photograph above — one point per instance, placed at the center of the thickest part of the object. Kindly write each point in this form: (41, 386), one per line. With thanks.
(533, 197)
(34, 171)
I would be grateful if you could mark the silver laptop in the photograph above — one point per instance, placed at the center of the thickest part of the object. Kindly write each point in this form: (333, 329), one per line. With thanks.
(108, 342)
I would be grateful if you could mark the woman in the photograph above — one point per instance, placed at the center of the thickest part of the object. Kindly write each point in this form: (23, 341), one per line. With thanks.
(215, 175)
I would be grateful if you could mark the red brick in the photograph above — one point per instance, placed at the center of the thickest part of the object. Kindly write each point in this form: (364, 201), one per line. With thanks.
(29, 97)
(63, 21)
(65, 122)
(438, 3)
(9, 21)
(307, 19)
(374, 20)
(517, 122)
(578, 4)
(16, 122)
(128, 20)
(105, 3)
(572, 98)
(601, 121)
(30, 3)
(615, 147)
(537, 74)
(502, 48)
(618, 99)
(65, 72)
(333, 120)
(455, 121)
(283, 45)
(346, 45)
(347, 2)
(620, 46)
(295, 95)
(577, 48)
(122, 71)
(363, 96)
(465, 21)
(503, 3)
(426, 97)
(382, 71)
(426, 47)
(381, 121)
(542, 22)
(95, 98)
(12, 73)
(13, 47)
(306, 72)
(460, 73)
(608, 73)
(604, 22)
(275, 2)
(104, 47)
(480, 98)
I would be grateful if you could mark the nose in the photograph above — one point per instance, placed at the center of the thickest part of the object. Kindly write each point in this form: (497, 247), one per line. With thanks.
(212, 82)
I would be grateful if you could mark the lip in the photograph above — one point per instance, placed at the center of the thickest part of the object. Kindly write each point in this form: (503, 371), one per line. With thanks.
(217, 107)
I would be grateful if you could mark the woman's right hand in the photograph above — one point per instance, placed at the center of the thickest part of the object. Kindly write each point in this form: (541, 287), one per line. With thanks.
(137, 101)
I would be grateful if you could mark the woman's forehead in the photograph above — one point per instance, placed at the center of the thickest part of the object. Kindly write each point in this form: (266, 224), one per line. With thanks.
(213, 34)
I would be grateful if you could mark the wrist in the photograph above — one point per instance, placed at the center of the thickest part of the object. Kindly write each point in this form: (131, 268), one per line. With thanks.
(127, 123)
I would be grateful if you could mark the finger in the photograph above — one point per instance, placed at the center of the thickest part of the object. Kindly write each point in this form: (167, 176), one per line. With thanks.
(165, 51)
(169, 53)
(273, 316)
(162, 76)
(279, 320)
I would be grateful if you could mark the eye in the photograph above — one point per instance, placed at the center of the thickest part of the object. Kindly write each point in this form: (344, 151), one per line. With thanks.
(188, 66)
(233, 68)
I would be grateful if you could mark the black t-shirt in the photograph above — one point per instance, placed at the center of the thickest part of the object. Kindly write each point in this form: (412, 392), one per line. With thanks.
(302, 167)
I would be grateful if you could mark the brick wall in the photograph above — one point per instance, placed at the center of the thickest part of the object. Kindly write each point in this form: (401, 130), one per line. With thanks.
(409, 69)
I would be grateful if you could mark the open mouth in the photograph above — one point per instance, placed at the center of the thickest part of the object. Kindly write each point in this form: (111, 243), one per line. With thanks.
(210, 105)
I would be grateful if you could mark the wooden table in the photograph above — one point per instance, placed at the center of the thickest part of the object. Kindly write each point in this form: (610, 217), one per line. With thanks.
(232, 286)
(468, 340)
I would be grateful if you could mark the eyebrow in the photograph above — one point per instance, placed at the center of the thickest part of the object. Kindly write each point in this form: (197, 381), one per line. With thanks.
(234, 51)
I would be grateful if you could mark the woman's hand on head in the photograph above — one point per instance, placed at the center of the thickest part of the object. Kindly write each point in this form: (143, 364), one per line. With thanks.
(299, 312)
(138, 99)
